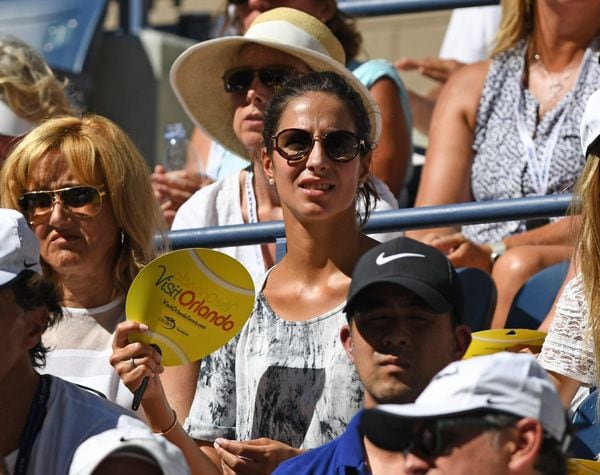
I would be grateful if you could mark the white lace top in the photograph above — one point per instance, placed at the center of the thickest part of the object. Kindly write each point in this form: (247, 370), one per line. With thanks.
(569, 347)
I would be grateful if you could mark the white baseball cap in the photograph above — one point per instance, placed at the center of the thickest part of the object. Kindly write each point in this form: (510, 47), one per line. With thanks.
(129, 441)
(590, 122)
(510, 383)
(19, 248)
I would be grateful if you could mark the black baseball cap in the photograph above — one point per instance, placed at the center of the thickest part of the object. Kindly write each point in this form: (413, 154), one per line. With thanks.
(418, 267)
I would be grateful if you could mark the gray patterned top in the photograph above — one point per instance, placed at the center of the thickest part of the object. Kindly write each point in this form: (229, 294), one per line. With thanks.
(288, 381)
(500, 164)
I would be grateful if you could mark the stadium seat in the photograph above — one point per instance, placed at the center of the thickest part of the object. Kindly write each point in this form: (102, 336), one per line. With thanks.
(480, 298)
(533, 302)
(586, 431)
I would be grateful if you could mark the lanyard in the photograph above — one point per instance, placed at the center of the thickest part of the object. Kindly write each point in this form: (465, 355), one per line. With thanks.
(253, 216)
(539, 168)
(35, 420)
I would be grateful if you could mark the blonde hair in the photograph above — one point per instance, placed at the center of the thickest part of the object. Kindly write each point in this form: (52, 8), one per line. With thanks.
(516, 24)
(27, 84)
(586, 203)
(98, 153)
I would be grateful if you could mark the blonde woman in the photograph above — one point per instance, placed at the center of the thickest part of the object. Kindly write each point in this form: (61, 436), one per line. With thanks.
(572, 348)
(29, 91)
(85, 191)
(508, 128)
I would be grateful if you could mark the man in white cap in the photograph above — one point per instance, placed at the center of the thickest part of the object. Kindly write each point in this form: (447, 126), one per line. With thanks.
(44, 419)
(497, 414)
(405, 310)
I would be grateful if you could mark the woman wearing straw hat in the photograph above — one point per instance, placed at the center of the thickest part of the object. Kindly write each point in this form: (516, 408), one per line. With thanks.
(284, 384)
(392, 159)
(232, 72)
(240, 74)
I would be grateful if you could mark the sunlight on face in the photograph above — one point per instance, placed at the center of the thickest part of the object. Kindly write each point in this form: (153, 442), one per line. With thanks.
(248, 106)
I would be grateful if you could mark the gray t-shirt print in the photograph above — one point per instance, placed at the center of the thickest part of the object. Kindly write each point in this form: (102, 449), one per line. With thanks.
(287, 381)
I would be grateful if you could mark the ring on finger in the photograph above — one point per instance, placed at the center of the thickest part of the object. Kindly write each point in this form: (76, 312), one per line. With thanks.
(132, 361)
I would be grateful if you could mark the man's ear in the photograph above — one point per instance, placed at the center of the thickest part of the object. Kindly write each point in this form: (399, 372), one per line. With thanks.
(462, 340)
(346, 338)
(35, 324)
(525, 446)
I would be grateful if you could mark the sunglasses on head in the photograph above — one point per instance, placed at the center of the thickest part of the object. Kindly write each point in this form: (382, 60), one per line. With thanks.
(240, 79)
(339, 145)
(84, 201)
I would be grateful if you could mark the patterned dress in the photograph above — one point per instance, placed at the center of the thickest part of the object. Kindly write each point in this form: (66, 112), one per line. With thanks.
(500, 167)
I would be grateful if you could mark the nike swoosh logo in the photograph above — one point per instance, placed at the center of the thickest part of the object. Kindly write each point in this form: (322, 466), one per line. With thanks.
(383, 259)
(31, 264)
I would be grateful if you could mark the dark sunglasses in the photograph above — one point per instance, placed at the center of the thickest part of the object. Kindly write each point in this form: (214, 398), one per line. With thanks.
(240, 79)
(438, 437)
(237, 2)
(339, 145)
(83, 201)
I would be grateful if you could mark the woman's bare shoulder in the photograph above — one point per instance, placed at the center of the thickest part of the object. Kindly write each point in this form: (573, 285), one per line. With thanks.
(463, 90)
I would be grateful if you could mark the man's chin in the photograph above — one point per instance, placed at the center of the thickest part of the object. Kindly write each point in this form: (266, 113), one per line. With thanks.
(395, 394)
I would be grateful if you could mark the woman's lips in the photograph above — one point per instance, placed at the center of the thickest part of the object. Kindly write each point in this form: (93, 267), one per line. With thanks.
(316, 187)
(63, 238)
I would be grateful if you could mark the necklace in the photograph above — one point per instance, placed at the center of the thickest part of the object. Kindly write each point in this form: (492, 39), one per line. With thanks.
(556, 84)
(553, 86)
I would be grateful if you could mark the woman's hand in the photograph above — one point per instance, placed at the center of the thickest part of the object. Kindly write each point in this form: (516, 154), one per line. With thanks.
(173, 188)
(134, 361)
(253, 457)
(437, 69)
(463, 252)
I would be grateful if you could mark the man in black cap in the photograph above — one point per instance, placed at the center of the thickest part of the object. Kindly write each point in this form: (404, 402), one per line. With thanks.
(404, 310)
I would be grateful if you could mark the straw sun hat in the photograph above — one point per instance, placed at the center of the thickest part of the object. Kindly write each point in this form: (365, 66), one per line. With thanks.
(196, 74)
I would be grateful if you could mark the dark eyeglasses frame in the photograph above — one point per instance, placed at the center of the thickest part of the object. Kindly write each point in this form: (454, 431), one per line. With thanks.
(360, 145)
(260, 72)
(55, 197)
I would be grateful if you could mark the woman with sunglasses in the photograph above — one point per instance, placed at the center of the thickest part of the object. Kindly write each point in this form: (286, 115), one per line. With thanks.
(240, 75)
(392, 159)
(85, 191)
(285, 377)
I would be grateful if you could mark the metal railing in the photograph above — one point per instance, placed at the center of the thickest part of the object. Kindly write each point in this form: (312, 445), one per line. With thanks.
(391, 7)
(383, 221)
(134, 13)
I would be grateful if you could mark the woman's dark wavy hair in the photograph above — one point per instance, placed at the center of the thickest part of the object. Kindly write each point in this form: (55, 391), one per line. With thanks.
(344, 28)
(32, 291)
(326, 82)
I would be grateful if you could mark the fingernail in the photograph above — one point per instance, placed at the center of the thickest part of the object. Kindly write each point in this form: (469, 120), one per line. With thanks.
(144, 327)
(217, 443)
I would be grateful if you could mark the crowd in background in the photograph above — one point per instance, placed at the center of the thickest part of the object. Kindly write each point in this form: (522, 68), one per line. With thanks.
(340, 366)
